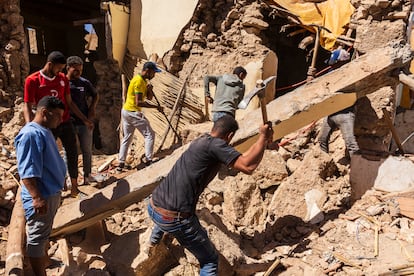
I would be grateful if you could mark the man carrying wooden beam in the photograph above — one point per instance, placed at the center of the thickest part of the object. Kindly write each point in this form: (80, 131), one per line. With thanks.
(173, 203)
(42, 171)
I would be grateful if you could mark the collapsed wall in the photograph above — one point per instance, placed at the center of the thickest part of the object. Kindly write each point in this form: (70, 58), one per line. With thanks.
(224, 34)
(14, 61)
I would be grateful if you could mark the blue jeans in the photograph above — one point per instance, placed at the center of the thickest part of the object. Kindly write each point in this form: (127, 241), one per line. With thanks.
(217, 115)
(345, 123)
(189, 234)
(85, 142)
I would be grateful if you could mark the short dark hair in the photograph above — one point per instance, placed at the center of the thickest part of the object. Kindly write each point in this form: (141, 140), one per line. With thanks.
(226, 124)
(74, 60)
(238, 70)
(56, 57)
(50, 102)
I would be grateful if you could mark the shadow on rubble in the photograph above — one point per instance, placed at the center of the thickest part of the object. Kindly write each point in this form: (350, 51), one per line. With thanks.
(121, 253)
(100, 203)
(289, 231)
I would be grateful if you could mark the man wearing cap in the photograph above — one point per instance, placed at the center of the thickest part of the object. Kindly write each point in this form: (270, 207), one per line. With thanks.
(82, 92)
(229, 92)
(50, 81)
(132, 118)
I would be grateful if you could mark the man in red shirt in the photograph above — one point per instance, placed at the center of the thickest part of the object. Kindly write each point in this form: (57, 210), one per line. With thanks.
(50, 81)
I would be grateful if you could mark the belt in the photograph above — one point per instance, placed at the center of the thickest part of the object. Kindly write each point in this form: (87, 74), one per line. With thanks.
(169, 213)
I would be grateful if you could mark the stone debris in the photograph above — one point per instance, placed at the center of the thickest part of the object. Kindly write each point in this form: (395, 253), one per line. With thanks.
(294, 216)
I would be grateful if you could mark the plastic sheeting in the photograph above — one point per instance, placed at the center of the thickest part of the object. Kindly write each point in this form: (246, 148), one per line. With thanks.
(331, 14)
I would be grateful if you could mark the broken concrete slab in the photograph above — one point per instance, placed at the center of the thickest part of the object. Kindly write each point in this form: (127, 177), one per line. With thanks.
(386, 173)
(314, 200)
(395, 174)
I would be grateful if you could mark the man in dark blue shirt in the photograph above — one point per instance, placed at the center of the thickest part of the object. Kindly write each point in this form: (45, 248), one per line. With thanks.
(85, 97)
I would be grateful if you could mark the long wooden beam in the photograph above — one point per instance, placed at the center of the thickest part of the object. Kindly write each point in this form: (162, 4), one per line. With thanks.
(15, 240)
(112, 199)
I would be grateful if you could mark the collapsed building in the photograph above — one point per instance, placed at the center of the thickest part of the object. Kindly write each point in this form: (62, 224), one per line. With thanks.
(276, 206)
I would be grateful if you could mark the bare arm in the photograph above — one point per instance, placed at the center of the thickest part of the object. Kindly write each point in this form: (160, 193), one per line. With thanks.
(74, 108)
(27, 112)
(249, 160)
(207, 80)
(39, 203)
(142, 103)
(92, 108)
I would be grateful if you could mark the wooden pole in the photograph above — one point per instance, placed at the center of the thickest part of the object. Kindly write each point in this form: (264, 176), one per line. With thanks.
(174, 110)
(407, 80)
(312, 68)
(272, 267)
(124, 83)
(206, 100)
(392, 128)
(16, 230)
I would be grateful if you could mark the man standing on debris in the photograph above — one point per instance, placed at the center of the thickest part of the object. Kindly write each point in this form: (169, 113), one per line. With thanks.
(344, 120)
(132, 117)
(43, 172)
(50, 81)
(229, 92)
(85, 97)
(173, 203)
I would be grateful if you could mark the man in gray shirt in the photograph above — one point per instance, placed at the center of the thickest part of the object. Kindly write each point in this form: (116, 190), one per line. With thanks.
(229, 92)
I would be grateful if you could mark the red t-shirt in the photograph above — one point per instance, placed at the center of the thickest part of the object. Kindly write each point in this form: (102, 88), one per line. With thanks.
(38, 85)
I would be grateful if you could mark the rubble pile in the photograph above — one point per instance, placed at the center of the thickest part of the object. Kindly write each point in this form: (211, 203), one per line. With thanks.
(293, 216)
(254, 223)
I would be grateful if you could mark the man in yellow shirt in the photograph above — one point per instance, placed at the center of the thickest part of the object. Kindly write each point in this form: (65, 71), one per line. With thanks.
(132, 118)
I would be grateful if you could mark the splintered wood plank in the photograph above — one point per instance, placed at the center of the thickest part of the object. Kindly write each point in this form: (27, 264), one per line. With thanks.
(406, 206)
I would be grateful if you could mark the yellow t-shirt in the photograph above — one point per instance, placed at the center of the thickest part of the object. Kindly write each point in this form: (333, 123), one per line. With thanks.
(138, 85)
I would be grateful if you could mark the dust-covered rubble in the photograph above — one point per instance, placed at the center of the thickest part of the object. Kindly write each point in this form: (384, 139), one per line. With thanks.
(253, 227)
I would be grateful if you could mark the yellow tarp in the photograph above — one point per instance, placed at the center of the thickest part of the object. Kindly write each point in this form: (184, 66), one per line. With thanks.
(331, 14)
